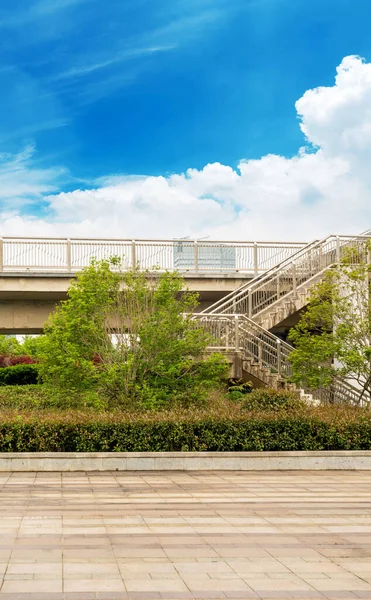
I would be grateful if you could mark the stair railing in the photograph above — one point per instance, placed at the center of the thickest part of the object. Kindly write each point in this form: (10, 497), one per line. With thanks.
(237, 333)
(288, 276)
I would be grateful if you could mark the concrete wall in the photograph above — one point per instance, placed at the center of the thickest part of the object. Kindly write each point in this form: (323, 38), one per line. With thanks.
(27, 299)
(186, 461)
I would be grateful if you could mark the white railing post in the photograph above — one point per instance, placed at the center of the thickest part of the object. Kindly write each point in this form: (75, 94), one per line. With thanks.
(256, 264)
(249, 299)
(279, 357)
(195, 251)
(294, 278)
(278, 287)
(1, 254)
(321, 264)
(68, 255)
(338, 249)
(133, 254)
(236, 333)
(260, 351)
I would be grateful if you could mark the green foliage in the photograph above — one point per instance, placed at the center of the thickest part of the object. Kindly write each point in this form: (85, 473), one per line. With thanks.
(30, 421)
(270, 399)
(333, 336)
(19, 375)
(228, 429)
(237, 388)
(10, 345)
(33, 345)
(41, 397)
(124, 337)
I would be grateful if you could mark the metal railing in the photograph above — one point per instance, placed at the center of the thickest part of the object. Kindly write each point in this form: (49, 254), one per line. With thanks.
(71, 255)
(340, 392)
(285, 278)
(238, 333)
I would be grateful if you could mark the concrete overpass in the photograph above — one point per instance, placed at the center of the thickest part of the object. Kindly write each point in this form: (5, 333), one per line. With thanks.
(35, 273)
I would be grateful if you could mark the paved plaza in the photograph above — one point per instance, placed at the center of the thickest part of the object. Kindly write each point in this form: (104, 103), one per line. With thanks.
(175, 535)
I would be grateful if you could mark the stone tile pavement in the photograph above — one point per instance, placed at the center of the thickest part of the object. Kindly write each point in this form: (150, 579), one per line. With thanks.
(183, 535)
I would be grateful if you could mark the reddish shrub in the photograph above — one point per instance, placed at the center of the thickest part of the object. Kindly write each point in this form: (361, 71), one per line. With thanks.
(7, 360)
(97, 359)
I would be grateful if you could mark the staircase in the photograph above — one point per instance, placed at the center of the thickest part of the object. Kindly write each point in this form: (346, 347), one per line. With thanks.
(241, 321)
(265, 357)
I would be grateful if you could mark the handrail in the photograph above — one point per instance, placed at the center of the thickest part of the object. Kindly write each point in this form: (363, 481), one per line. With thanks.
(214, 308)
(284, 278)
(238, 333)
(340, 391)
(71, 255)
(146, 240)
(244, 320)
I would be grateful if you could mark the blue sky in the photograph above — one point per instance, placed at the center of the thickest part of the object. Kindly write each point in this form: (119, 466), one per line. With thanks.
(95, 88)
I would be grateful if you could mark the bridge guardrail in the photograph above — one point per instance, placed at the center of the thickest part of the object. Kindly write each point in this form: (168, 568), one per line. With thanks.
(71, 255)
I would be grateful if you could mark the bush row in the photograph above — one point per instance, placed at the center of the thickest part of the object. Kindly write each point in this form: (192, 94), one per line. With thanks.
(81, 432)
(22, 374)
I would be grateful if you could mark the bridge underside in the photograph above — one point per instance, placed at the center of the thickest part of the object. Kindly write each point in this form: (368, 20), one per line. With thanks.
(282, 329)
(26, 301)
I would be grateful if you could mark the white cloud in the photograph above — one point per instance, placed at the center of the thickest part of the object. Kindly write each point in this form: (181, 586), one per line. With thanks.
(119, 58)
(21, 181)
(325, 188)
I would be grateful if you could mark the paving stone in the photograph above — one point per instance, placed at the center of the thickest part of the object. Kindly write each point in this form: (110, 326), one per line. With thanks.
(152, 536)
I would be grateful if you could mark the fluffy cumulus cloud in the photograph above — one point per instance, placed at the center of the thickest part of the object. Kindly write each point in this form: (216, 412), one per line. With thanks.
(325, 188)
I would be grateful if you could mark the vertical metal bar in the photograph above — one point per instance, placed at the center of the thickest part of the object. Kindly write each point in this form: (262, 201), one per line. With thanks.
(250, 303)
(68, 252)
(195, 250)
(236, 333)
(133, 255)
(260, 351)
(294, 278)
(279, 357)
(320, 259)
(278, 287)
(256, 266)
(1, 254)
(337, 249)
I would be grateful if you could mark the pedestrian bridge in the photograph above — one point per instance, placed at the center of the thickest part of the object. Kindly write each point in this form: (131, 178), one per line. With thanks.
(251, 292)
(35, 273)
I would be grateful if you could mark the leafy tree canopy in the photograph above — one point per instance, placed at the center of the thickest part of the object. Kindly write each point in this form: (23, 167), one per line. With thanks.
(129, 337)
(333, 336)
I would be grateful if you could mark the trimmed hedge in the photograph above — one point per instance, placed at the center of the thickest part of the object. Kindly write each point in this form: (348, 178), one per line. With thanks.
(21, 374)
(115, 432)
(30, 421)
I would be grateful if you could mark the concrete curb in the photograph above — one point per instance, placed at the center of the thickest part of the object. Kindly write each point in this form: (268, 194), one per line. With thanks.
(185, 461)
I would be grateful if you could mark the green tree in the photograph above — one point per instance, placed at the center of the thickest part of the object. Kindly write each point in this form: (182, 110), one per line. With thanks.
(333, 336)
(28, 346)
(10, 346)
(32, 345)
(128, 337)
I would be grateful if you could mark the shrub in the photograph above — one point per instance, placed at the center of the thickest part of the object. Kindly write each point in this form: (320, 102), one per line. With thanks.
(311, 429)
(237, 388)
(271, 399)
(128, 337)
(21, 374)
(9, 360)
